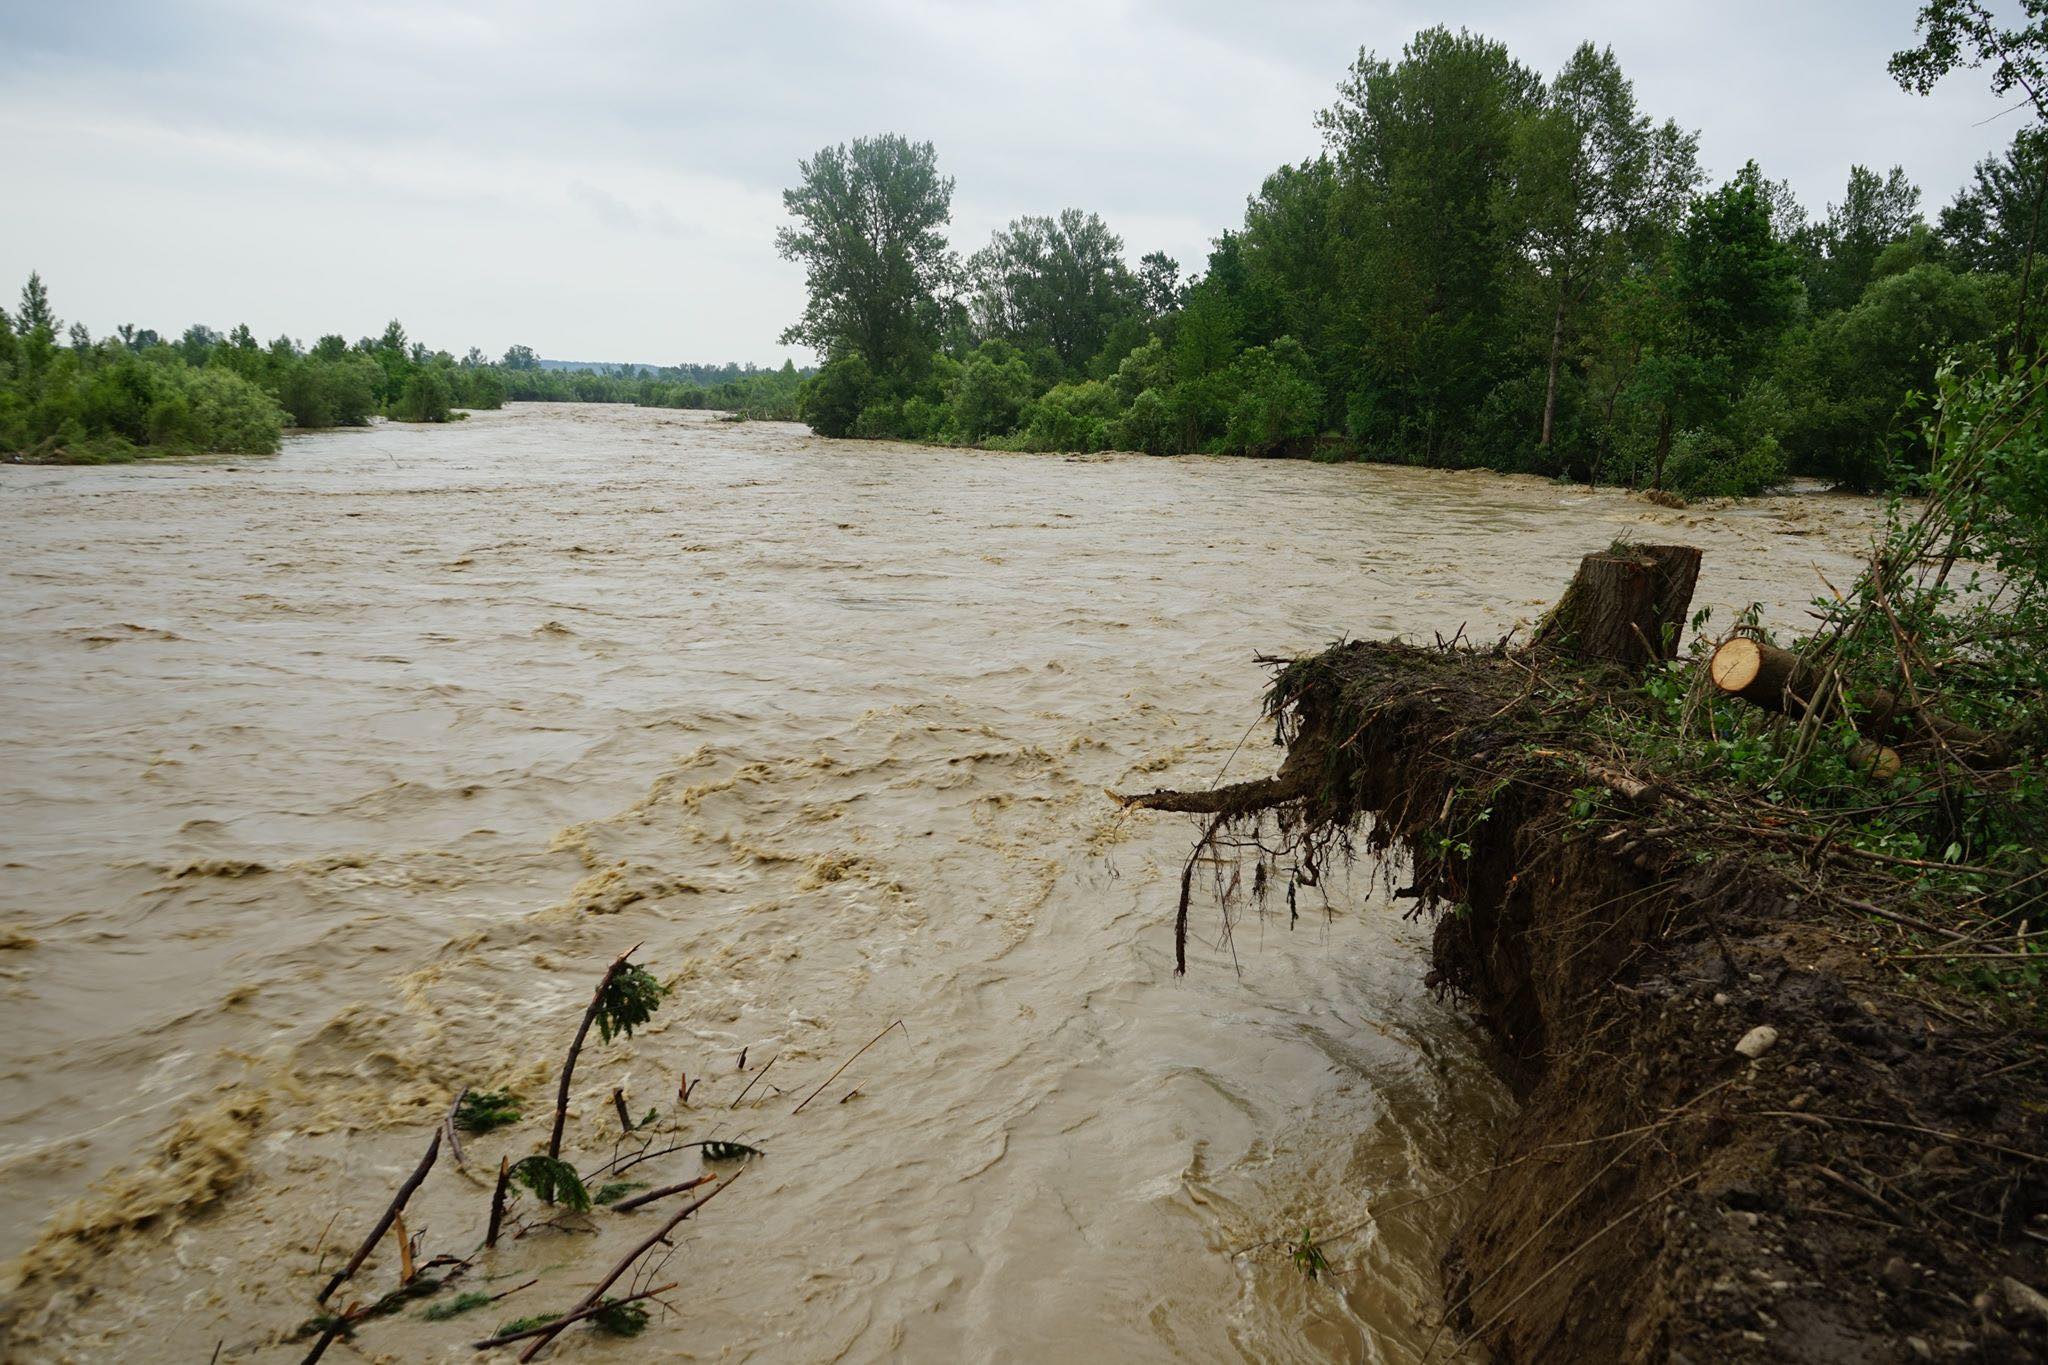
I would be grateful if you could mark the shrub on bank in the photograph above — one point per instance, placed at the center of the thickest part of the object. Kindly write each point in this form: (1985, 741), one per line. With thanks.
(426, 397)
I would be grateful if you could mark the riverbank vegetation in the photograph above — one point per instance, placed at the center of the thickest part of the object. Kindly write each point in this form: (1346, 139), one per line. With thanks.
(66, 397)
(1484, 267)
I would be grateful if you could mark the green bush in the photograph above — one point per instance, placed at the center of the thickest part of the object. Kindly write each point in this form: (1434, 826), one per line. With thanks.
(1274, 401)
(831, 400)
(995, 383)
(1070, 417)
(1152, 424)
(426, 397)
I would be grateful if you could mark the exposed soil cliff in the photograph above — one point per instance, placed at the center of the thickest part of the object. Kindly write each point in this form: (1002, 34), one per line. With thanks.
(1744, 1135)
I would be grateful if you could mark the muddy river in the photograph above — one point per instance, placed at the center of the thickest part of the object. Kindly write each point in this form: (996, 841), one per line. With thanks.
(332, 781)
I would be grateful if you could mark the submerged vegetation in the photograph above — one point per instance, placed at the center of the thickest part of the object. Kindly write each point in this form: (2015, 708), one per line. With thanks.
(1484, 267)
(67, 398)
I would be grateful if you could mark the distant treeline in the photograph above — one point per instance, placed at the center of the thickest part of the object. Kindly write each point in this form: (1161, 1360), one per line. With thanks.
(1484, 267)
(742, 389)
(65, 396)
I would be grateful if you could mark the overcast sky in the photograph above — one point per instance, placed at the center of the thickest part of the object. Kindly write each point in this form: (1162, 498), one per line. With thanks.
(603, 180)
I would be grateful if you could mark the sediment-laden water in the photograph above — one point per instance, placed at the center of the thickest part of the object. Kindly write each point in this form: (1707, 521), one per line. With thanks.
(332, 781)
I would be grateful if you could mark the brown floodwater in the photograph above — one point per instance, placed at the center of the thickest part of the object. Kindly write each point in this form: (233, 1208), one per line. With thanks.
(332, 781)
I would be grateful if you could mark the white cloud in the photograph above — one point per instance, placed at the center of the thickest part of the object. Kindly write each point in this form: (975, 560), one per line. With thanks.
(603, 181)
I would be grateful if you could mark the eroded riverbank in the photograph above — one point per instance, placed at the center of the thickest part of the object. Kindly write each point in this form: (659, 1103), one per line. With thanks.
(334, 779)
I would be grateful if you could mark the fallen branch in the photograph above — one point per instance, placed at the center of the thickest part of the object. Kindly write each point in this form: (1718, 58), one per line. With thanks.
(335, 1328)
(498, 1200)
(412, 1182)
(627, 1205)
(569, 1319)
(448, 1130)
(1778, 680)
(595, 1297)
(1239, 798)
(576, 1046)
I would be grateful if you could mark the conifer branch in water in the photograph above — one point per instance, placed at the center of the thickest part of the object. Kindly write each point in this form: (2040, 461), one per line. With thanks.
(553, 1181)
(625, 998)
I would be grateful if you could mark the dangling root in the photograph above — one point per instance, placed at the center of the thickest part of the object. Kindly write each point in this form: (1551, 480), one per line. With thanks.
(1239, 798)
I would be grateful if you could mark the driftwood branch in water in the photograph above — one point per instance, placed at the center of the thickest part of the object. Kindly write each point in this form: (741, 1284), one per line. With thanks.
(596, 1296)
(498, 1200)
(628, 1205)
(448, 1129)
(412, 1182)
(576, 1046)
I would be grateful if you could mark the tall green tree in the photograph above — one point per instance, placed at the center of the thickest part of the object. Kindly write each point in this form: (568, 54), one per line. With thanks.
(1990, 224)
(870, 219)
(1159, 286)
(1057, 283)
(1592, 177)
(1875, 212)
(1734, 282)
(1423, 148)
(1965, 34)
(36, 317)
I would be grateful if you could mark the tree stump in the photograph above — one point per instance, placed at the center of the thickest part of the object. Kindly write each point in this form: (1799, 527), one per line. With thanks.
(1626, 605)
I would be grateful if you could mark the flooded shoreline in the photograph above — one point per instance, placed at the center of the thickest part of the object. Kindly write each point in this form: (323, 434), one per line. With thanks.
(334, 779)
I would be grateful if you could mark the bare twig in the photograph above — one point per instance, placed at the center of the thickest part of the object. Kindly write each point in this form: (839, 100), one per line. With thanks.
(498, 1200)
(412, 1182)
(619, 1104)
(847, 1063)
(448, 1130)
(750, 1084)
(1803, 1116)
(627, 1205)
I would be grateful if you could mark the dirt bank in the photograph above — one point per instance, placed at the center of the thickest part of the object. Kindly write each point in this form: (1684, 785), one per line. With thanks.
(1743, 1135)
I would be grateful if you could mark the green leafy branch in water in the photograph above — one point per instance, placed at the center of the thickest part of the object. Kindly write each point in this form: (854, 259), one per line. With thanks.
(1307, 1255)
(617, 1190)
(620, 1319)
(460, 1304)
(518, 1325)
(483, 1110)
(554, 1181)
(627, 1000)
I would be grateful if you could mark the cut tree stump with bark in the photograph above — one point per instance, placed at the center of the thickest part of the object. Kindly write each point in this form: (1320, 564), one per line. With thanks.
(1626, 605)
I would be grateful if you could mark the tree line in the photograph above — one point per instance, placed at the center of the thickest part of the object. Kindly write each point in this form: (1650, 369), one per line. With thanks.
(1484, 267)
(68, 397)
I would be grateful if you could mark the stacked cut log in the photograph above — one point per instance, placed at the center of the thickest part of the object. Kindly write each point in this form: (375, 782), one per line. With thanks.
(1779, 680)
